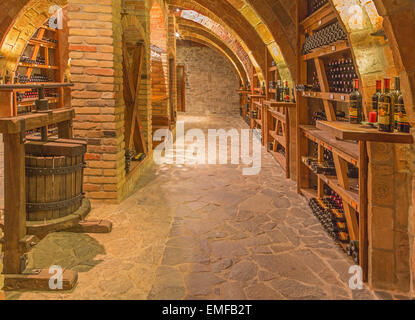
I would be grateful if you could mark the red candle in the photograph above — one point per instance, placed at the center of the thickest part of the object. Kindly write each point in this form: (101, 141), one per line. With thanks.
(372, 117)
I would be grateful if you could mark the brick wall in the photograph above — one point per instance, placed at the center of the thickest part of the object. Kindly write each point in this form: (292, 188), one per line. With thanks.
(95, 50)
(159, 61)
(211, 82)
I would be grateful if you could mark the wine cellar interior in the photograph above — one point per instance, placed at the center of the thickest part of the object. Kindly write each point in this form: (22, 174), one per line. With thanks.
(106, 114)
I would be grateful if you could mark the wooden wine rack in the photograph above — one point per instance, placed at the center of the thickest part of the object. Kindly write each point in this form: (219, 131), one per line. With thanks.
(346, 141)
(51, 52)
(276, 124)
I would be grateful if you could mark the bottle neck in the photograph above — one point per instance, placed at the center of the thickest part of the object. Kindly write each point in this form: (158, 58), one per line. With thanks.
(397, 84)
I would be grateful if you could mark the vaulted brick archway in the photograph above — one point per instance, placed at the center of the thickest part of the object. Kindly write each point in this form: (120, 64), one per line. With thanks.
(217, 47)
(233, 20)
(187, 27)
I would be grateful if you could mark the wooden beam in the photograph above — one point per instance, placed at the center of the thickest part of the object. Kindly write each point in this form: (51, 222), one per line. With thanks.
(324, 84)
(363, 220)
(14, 202)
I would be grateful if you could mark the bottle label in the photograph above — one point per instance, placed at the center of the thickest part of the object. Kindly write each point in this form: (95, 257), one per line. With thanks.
(384, 113)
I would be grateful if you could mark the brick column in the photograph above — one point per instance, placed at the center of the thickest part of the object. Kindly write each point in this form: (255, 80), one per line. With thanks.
(95, 51)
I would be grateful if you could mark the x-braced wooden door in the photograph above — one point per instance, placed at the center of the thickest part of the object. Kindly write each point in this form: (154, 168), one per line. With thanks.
(134, 136)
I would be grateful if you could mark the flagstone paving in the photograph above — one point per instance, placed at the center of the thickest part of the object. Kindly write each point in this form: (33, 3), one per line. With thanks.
(204, 232)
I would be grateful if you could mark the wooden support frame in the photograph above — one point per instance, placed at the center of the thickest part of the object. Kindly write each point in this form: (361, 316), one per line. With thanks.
(132, 82)
(16, 241)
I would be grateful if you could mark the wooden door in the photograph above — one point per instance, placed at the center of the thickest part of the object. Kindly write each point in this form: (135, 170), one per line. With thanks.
(181, 101)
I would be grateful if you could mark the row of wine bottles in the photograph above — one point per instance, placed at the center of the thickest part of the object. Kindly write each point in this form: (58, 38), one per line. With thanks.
(331, 217)
(340, 75)
(314, 5)
(388, 108)
(326, 36)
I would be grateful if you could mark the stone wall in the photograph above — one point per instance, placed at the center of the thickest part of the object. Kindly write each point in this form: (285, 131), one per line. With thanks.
(211, 82)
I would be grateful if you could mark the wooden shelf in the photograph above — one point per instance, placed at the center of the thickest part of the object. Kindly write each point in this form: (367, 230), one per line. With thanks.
(42, 43)
(330, 96)
(37, 66)
(280, 104)
(349, 151)
(278, 138)
(348, 131)
(48, 28)
(320, 18)
(336, 47)
(256, 96)
(273, 68)
(31, 102)
(349, 196)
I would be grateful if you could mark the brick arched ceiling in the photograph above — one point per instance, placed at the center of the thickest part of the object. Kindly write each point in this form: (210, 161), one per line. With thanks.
(23, 21)
(196, 19)
(273, 21)
(225, 14)
(8, 12)
(372, 55)
(214, 46)
(402, 43)
(242, 62)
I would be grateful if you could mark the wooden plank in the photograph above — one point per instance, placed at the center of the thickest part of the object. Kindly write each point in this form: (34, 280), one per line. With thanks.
(363, 218)
(331, 96)
(322, 76)
(278, 115)
(274, 103)
(321, 52)
(302, 104)
(58, 185)
(317, 16)
(278, 138)
(14, 202)
(49, 189)
(320, 182)
(38, 281)
(348, 131)
(341, 170)
(347, 150)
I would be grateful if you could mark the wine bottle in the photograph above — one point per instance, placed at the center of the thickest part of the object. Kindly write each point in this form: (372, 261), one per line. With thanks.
(385, 117)
(403, 123)
(395, 95)
(376, 96)
(355, 109)
(286, 92)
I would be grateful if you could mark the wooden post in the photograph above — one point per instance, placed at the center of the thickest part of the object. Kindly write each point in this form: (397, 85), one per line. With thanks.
(363, 223)
(14, 202)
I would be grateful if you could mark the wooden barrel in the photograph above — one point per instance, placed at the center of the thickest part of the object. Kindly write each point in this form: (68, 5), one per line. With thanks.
(54, 178)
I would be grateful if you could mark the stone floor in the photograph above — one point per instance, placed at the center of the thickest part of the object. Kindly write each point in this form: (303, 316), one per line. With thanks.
(203, 232)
